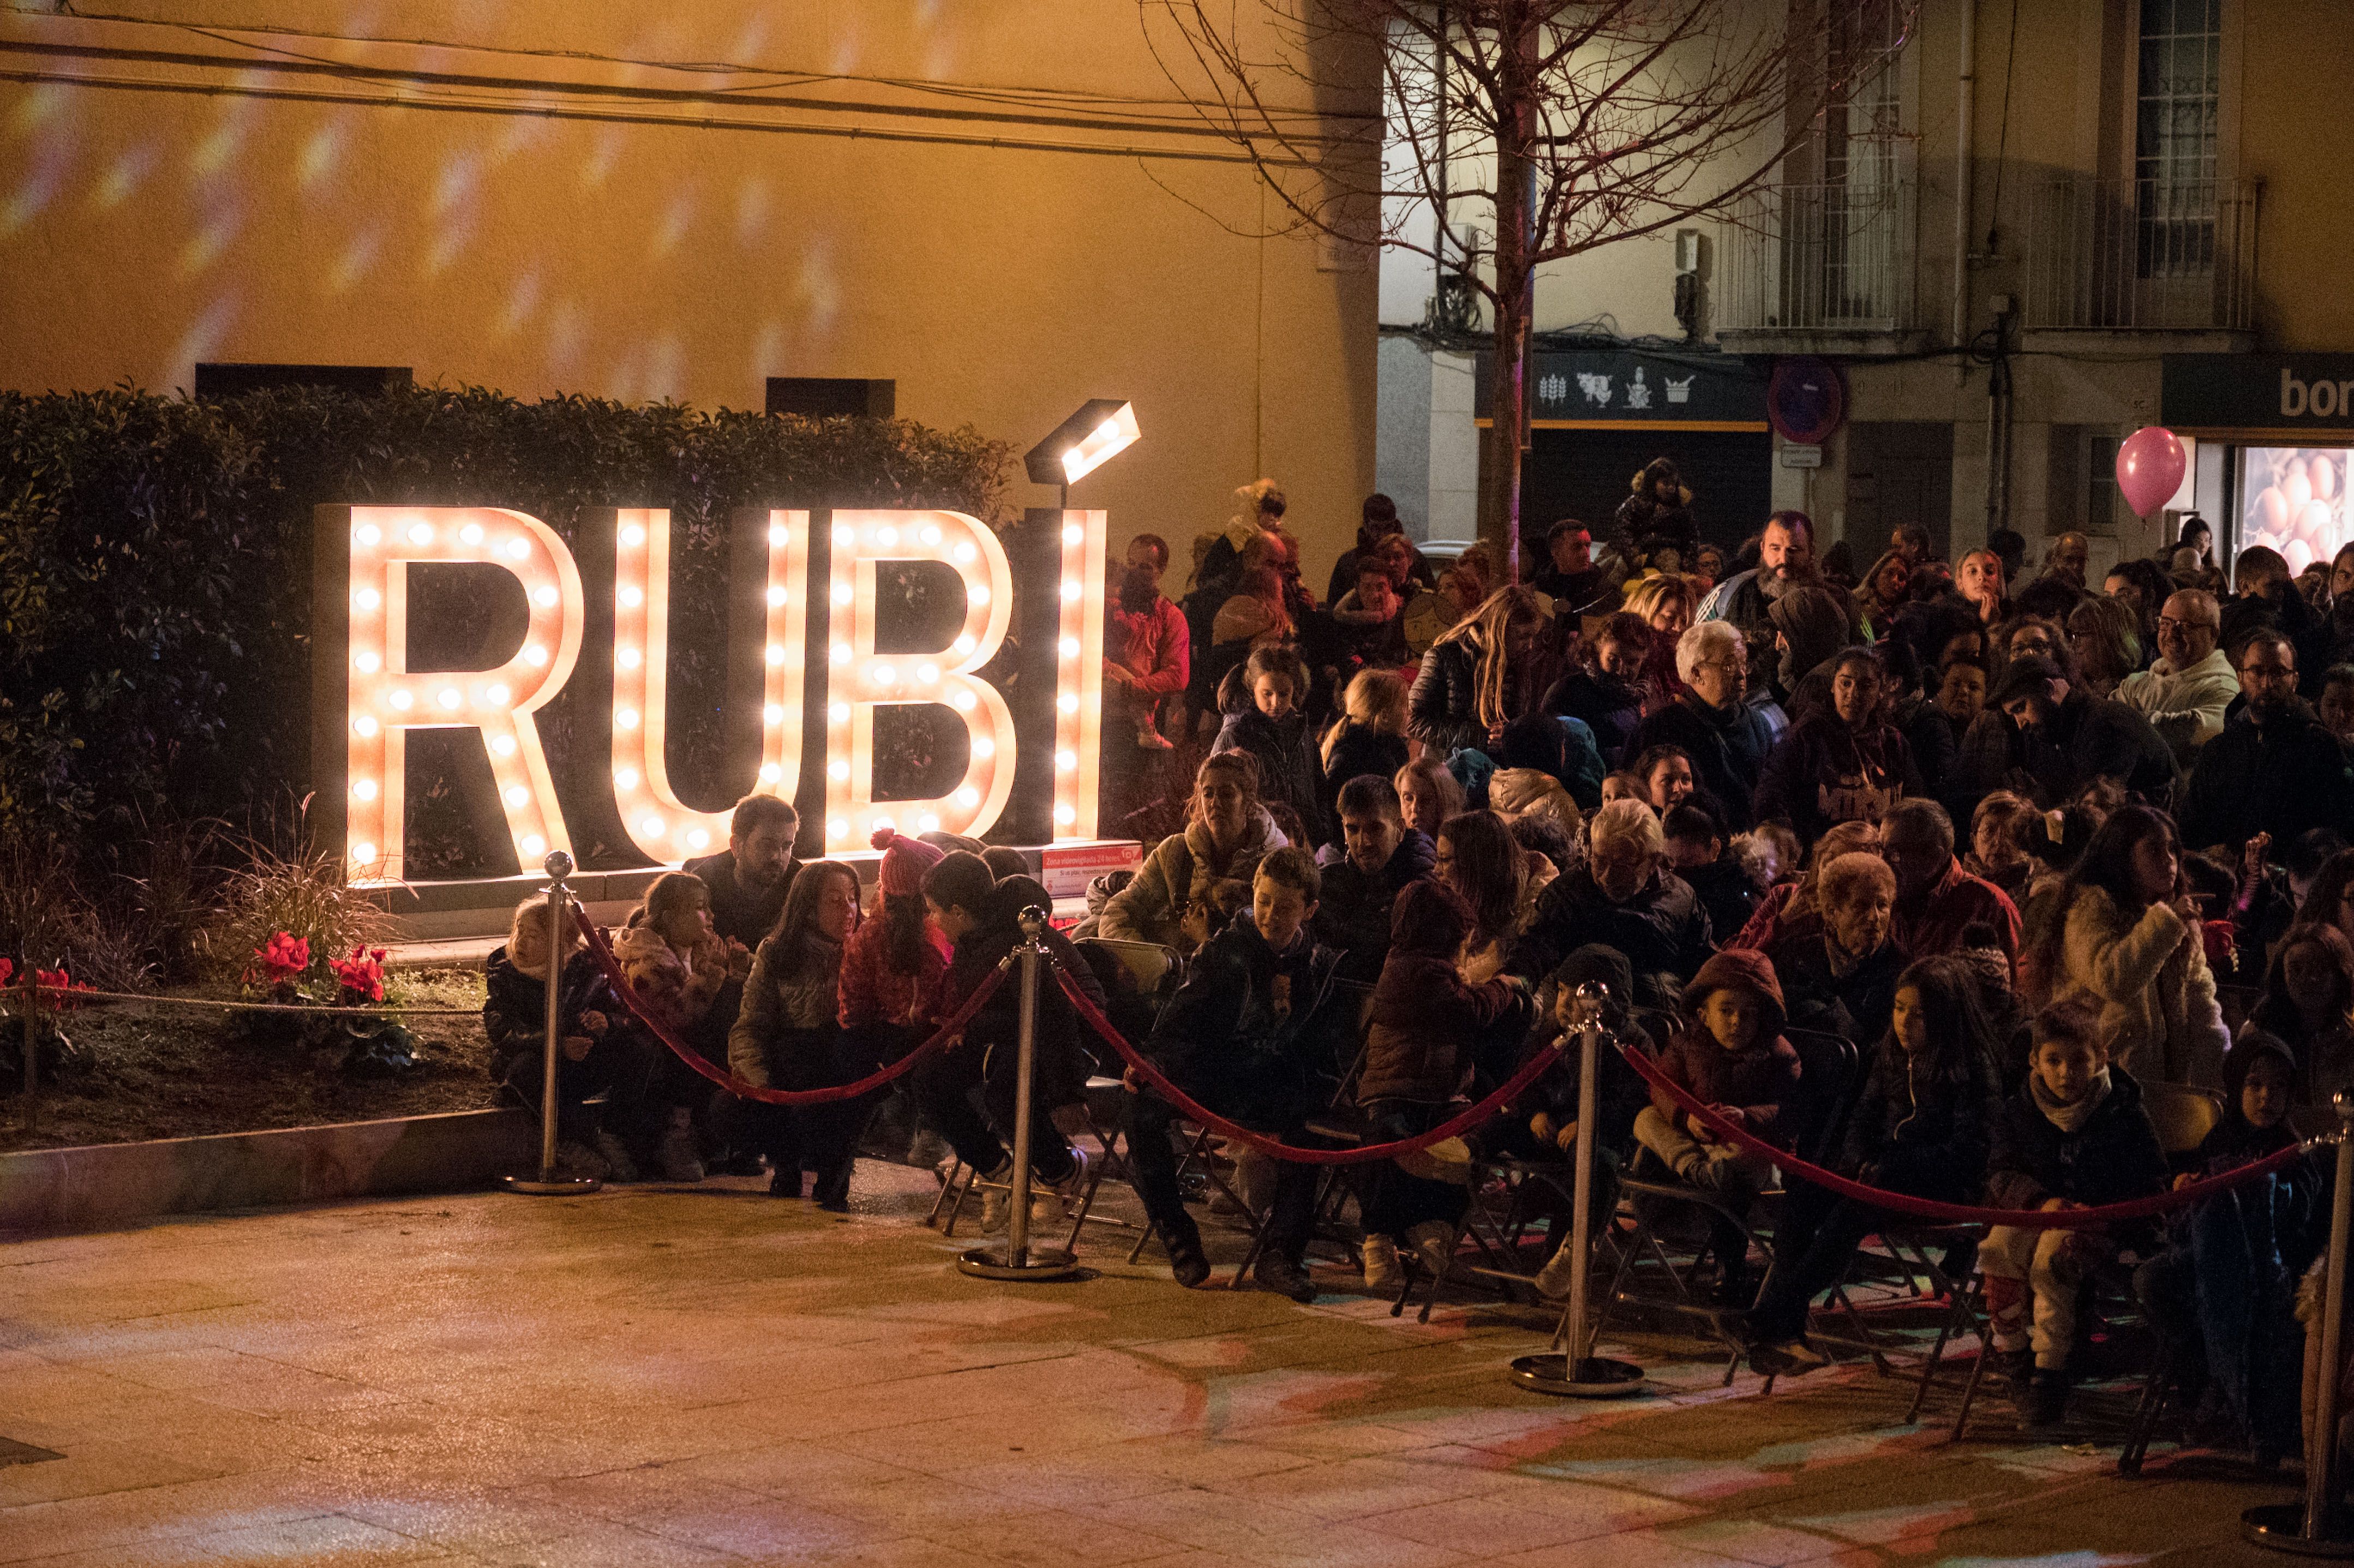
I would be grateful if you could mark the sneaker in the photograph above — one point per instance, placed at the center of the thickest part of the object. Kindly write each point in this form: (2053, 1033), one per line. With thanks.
(1382, 1270)
(1285, 1277)
(682, 1157)
(1434, 1246)
(996, 1189)
(1554, 1280)
(619, 1166)
(579, 1159)
(1073, 1188)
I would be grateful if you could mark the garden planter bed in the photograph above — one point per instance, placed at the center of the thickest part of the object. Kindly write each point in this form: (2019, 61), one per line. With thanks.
(173, 1073)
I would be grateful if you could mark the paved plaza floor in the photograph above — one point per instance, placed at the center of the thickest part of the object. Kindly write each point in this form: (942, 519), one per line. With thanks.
(657, 1376)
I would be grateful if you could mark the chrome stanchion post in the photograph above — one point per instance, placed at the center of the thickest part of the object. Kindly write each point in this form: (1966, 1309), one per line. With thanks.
(2318, 1527)
(1571, 1369)
(1017, 1261)
(547, 1184)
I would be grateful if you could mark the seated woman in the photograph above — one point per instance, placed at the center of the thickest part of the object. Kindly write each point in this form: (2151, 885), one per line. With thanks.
(890, 967)
(1921, 1127)
(1842, 978)
(1478, 676)
(1844, 763)
(2308, 996)
(1264, 718)
(1418, 1054)
(2222, 1296)
(1228, 833)
(594, 1055)
(1480, 860)
(788, 1036)
(1368, 738)
(1606, 691)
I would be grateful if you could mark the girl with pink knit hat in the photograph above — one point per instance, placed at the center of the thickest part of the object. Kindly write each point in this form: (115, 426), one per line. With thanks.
(889, 971)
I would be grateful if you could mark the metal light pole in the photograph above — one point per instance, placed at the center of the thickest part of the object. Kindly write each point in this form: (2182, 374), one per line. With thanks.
(548, 1184)
(1571, 1369)
(2318, 1527)
(1017, 1261)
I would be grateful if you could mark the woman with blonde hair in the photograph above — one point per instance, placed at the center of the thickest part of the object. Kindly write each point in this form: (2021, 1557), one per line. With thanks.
(1370, 735)
(1428, 795)
(1886, 589)
(2105, 639)
(1667, 604)
(1480, 676)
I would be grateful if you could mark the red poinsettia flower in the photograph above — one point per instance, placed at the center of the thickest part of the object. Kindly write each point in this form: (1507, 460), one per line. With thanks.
(282, 960)
(59, 985)
(7, 970)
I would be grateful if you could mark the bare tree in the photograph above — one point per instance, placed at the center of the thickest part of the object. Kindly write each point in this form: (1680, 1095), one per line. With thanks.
(1575, 122)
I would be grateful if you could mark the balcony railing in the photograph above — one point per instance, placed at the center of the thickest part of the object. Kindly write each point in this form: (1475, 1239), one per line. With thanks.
(2143, 256)
(1821, 258)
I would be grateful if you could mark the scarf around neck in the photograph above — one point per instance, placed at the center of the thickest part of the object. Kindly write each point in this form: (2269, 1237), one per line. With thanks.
(2069, 1119)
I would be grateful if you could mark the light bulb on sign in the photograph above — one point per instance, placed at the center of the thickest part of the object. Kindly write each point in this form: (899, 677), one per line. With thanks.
(1068, 701)
(773, 714)
(497, 696)
(839, 653)
(630, 658)
(779, 537)
(471, 534)
(367, 598)
(533, 844)
(929, 674)
(365, 790)
(698, 839)
(887, 538)
(519, 549)
(367, 664)
(837, 830)
(927, 823)
(420, 535)
(776, 595)
(1065, 814)
(650, 826)
(842, 593)
(449, 697)
(968, 797)
(364, 854)
(837, 769)
(536, 655)
(546, 596)
(1068, 648)
(770, 773)
(1072, 534)
(631, 598)
(931, 535)
(503, 745)
(1070, 589)
(843, 538)
(633, 535)
(838, 712)
(364, 726)
(399, 699)
(883, 676)
(368, 534)
(518, 795)
(983, 746)
(626, 718)
(627, 778)
(776, 654)
(1066, 760)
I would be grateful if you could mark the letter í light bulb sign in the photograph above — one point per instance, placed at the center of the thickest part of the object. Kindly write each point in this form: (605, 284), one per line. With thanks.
(365, 684)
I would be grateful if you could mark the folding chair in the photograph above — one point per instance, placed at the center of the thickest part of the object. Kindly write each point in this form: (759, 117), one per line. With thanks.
(2184, 1115)
(1827, 1079)
(1339, 1125)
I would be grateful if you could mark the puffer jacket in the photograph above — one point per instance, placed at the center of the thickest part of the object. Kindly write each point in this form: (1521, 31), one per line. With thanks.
(1612, 709)
(2154, 989)
(1662, 929)
(1443, 709)
(1425, 1020)
(1761, 1081)
(1940, 1126)
(1289, 769)
(788, 1031)
(515, 1006)
(1062, 1054)
(2114, 1157)
(1182, 868)
(1727, 746)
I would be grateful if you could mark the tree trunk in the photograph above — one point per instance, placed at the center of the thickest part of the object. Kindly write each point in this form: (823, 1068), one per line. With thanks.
(1508, 376)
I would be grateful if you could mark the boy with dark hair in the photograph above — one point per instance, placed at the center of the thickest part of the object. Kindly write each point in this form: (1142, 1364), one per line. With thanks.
(1697, 851)
(1380, 857)
(1255, 1035)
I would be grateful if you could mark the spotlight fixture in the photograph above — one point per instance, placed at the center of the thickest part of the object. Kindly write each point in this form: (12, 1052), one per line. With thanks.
(1102, 429)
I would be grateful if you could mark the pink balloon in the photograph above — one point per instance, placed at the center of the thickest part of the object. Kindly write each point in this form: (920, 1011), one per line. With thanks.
(2150, 469)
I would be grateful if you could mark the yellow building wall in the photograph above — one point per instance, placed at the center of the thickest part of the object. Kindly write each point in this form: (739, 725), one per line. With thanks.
(998, 206)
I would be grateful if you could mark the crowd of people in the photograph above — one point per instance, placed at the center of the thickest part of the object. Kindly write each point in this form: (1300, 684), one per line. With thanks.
(2044, 850)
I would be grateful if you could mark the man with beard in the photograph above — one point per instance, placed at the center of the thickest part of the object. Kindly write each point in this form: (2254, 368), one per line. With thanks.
(750, 878)
(2275, 769)
(2064, 737)
(1785, 558)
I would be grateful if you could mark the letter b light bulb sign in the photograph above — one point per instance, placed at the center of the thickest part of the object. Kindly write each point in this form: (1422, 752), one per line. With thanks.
(367, 699)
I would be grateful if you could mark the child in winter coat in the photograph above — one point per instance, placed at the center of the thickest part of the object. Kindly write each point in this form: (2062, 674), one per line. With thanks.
(1368, 738)
(594, 1055)
(1921, 1127)
(2223, 1294)
(1731, 1057)
(1418, 1054)
(2074, 1135)
(1264, 721)
(699, 1005)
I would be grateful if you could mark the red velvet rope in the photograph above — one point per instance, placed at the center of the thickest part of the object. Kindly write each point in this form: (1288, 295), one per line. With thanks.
(1952, 1214)
(1529, 1074)
(735, 1086)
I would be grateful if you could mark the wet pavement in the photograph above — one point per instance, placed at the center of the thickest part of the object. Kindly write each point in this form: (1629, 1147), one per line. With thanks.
(669, 1375)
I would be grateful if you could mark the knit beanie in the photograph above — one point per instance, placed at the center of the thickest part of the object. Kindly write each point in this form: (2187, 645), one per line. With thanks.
(904, 861)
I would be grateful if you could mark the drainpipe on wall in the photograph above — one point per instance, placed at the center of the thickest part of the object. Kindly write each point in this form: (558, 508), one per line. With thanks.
(1965, 123)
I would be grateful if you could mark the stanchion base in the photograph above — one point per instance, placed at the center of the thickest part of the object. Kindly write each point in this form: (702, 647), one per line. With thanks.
(993, 1263)
(2281, 1528)
(1596, 1377)
(560, 1187)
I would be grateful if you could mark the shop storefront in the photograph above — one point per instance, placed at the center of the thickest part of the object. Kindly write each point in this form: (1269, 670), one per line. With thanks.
(2271, 436)
(1598, 415)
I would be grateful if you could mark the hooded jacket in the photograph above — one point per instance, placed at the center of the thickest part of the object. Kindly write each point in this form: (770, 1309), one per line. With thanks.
(1424, 1019)
(1061, 1059)
(1814, 623)
(1758, 1080)
(1352, 911)
(1935, 1127)
(1181, 869)
(2185, 707)
(1826, 771)
(1728, 748)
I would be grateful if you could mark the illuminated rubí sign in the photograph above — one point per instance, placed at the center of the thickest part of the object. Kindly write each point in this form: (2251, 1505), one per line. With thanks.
(363, 675)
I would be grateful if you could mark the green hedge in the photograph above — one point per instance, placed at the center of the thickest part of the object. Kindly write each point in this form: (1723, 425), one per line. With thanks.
(154, 593)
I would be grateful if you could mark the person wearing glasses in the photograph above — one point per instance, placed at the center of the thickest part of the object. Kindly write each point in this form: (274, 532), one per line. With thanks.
(1727, 738)
(2183, 695)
